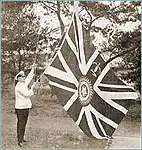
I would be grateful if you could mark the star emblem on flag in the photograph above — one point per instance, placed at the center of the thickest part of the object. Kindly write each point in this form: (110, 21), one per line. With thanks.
(88, 90)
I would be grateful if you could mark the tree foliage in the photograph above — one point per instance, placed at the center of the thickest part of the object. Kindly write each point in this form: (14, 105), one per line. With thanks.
(21, 27)
(19, 36)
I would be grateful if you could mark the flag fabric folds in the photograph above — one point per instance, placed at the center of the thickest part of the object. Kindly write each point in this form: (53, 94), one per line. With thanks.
(88, 90)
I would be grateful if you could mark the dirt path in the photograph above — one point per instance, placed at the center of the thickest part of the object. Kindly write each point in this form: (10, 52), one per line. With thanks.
(63, 132)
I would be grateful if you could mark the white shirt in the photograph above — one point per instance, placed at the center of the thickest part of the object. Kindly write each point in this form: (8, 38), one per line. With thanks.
(23, 94)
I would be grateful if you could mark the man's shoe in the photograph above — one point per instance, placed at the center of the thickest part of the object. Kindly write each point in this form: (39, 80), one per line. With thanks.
(20, 144)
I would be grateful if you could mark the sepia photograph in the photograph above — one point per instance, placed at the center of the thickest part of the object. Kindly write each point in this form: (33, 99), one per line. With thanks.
(71, 74)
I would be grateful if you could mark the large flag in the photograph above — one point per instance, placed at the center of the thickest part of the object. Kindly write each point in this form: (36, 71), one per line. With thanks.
(85, 85)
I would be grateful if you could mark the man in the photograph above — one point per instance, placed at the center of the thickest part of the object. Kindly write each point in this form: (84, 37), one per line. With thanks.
(23, 102)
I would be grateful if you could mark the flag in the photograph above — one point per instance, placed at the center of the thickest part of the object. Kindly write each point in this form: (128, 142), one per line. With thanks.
(88, 90)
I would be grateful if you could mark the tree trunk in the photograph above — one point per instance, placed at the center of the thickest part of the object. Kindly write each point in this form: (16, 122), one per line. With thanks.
(59, 17)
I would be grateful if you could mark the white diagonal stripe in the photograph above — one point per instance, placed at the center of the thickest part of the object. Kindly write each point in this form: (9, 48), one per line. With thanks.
(110, 102)
(91, 125)
(70, 101)
(104, 97)
(72, 46)
(82, 55)
(100, 125)
(60, 75)
(81, 44)
(101, 76)
(66, 67)
(62, 86)
(120, 95)
(102, 117)
(115, 86)
(80, 116)
(59, 49)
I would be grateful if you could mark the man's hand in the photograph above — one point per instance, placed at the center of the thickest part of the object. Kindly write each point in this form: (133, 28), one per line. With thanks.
(34, 66)
(34, 88)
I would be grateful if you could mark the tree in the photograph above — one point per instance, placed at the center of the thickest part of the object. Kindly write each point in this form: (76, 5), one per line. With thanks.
(19, 36)
(116, 42)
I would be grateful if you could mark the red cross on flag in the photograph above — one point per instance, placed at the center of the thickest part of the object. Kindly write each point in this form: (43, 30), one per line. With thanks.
(88, 90)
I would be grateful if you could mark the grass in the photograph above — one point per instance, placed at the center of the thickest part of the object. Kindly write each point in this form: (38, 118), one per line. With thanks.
(50, 139)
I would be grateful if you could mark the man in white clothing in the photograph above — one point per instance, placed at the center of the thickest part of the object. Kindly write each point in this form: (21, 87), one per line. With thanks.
(23, 102)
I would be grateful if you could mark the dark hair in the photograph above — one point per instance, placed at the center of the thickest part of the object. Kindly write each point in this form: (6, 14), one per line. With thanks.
(19, 76)
(15, 82)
